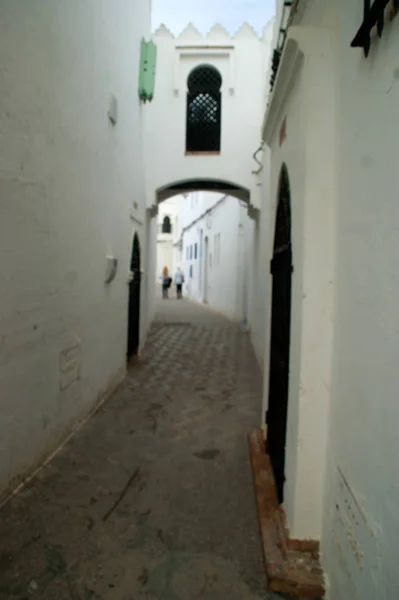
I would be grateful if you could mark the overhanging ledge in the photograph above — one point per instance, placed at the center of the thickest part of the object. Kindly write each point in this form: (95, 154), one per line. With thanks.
(289, 65)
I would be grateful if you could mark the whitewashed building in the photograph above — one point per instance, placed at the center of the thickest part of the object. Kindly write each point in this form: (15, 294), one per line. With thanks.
(193, 137)
(169, 216)
(212, 252)
(332, 128)
(72, 202)
(195, 142)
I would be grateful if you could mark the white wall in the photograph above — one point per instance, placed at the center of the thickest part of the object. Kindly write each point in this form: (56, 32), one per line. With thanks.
(224, 222)
(151, 266)
(311, 179)
(68, 181)
(361, 521)
(164, 257)
(258, 234)
(165, 241)
(341, 150)
(242, 62)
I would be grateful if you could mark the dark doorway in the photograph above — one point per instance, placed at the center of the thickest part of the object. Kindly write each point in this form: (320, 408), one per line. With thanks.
(281, 269)
(134, 301)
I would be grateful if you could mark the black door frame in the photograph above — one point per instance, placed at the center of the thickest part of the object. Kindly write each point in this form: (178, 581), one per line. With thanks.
(280, 335)
(133, 337)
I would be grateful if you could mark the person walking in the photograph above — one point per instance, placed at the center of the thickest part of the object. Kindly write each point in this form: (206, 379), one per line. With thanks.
(165, 283)
(179, 280)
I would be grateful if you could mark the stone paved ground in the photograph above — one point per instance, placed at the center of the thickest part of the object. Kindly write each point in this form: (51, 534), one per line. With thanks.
(173, 438)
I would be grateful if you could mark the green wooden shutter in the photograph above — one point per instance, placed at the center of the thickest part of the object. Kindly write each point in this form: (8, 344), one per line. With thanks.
(151, 66)
(143, 67)
(148, 59)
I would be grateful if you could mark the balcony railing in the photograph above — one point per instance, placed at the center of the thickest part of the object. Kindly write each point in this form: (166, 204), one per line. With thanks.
(281, 38)
(373, 16)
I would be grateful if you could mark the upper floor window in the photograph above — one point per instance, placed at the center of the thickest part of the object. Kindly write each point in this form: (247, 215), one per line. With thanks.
(166, 225)
(204, 110)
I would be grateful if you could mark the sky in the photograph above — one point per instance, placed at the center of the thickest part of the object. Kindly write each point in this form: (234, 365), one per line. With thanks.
(175, 14)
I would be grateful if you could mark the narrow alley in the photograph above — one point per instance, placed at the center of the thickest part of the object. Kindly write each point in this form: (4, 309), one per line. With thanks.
(152, 497)
(242, 441)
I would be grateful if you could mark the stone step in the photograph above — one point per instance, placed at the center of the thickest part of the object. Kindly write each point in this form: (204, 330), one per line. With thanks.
(292, 566)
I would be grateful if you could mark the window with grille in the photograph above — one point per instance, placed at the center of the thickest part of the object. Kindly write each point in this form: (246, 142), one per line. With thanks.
(166, 225)
(204, 110)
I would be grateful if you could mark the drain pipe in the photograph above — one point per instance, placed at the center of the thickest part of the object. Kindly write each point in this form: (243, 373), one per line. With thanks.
(255, 157)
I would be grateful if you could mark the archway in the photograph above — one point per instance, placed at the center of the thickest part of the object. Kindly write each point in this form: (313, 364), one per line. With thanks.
(281, 269)
(201, 244)
(186, 186)
(134, 300)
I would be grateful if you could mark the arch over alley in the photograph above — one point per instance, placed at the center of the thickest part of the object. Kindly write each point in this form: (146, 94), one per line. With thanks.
(227, 188)
(194, 140)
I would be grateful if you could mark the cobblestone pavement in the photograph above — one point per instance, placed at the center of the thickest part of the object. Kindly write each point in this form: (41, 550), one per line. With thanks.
(152, 499)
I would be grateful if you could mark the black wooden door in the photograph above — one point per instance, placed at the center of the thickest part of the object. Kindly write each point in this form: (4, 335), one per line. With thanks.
(134, 301)
(280, 336)
(279, 365)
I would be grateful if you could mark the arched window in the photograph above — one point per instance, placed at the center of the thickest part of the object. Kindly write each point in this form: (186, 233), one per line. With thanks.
(204, 110)
(166, 225)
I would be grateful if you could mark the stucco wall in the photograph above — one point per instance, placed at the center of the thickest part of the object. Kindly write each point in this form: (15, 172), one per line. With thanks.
(164, 257)
(346, 204)
(165, 241)
(227, 264)
(151, 266)
(361, 522)
(68, 180)
(312, 230)
(293, 158)
(259, 235)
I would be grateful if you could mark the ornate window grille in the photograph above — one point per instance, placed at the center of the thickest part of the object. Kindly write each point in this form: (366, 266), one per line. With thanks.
(204, 104)
(288, 10)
